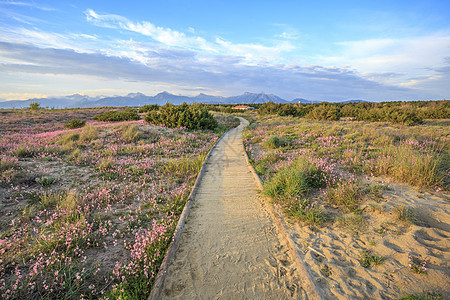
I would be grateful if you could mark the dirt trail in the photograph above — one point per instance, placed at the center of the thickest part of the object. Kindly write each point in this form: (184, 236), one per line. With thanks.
(229, 248)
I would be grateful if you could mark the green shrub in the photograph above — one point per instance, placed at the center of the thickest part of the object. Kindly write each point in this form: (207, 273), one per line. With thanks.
(118, 116)
(75, 123)
(285, 109)
(325, 113)
(184, 115)
(148, 108)
(35, 105)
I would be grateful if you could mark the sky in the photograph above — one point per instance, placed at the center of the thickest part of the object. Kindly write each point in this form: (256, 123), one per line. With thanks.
(316, 50)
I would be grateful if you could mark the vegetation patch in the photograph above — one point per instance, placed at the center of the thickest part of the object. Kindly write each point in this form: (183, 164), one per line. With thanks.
(184, 115)
(118, 116)
(75, 123)
(97, 218)
(368, 258)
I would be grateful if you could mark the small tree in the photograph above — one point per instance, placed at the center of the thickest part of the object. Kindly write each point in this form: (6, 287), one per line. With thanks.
(35, 105)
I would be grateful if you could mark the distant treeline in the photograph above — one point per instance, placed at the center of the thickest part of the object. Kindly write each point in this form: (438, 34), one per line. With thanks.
(196, 116)
(409, 113)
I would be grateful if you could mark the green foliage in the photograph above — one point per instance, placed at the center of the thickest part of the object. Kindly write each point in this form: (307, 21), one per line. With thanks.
(295, 180)
(148, 108)
(326, 270)
(305, 211)
(75, 123)
(425, 295)
(35, 105)
(184, 115)
(408, 113)
(118, 116)
(325, 112)
(45, 180)
(274, 142)
(406, 164)
(287, 109)
(394, 112)
(368, 258)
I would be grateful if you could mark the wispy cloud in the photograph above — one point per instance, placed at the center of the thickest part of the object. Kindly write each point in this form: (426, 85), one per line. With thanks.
(27, 4)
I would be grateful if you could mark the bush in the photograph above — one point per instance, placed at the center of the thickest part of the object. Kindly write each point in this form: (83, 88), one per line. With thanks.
(35, 105)
(148, 108)
(286, 109)
(75, 123)
(184, 115)
(325, 113)
(118, 116)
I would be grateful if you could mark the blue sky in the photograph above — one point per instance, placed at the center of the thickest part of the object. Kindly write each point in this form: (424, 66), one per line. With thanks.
(318, 50)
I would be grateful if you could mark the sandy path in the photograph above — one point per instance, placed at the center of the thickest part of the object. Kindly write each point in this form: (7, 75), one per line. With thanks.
(230, 248)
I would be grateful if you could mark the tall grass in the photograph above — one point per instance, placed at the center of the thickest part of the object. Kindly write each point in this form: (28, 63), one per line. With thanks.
(291, 184)
(295, 180)
(404, 164)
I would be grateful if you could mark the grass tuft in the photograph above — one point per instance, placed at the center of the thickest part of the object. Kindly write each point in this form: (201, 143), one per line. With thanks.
(368, 258)
(295, 180)
(274, 142)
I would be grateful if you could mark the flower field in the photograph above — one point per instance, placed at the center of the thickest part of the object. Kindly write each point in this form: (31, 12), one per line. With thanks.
(367, 203)
(89, 212)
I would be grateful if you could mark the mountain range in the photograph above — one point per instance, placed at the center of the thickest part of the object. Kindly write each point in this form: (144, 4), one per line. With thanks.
(139, 99)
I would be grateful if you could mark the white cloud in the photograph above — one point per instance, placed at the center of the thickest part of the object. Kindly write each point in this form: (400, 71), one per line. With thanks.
(250, 53)
(408, 58)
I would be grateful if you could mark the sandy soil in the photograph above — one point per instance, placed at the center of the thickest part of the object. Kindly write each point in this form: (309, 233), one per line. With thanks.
(230, 249)
(425, 237)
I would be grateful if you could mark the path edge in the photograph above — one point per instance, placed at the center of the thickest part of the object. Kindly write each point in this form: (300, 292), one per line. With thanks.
(312, 292)
(173, 247)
